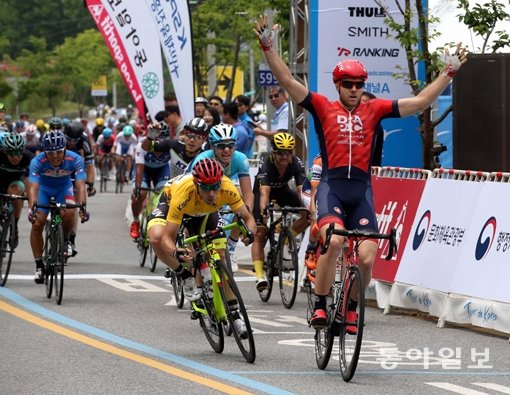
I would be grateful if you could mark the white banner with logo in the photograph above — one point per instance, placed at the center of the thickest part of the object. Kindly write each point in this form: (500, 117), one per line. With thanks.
(173, 24)
(484, 268)
(123, 24)
(355, 29)
(439, 233)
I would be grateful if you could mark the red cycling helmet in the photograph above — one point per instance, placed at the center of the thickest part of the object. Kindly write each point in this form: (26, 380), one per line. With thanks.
(349, 68)
(207, 171)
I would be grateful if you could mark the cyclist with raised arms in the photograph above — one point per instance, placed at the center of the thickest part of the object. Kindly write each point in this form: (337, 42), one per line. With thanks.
(14, 164)
(182, 153)
(345, 129)
(271, 184)
(222, 140)
(50, 176)
(199, 195)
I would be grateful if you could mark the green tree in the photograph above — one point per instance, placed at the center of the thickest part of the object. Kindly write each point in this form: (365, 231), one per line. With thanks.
(81, 60)
(482, 20)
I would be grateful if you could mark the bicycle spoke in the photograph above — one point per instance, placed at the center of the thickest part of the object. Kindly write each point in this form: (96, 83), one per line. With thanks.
(212, 328)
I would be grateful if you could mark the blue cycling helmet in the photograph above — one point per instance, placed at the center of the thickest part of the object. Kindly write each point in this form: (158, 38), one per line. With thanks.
(53, 140)
(55, 123)
(221, 133)
(107, 132)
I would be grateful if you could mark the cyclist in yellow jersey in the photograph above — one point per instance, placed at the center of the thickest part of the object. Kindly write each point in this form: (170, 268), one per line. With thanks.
(198, 195)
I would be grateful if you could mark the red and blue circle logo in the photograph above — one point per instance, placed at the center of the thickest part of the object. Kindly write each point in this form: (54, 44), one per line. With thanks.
(485, 239)
(421, 230)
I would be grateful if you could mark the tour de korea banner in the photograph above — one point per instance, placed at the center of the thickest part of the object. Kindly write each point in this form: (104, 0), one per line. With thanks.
(442, 227)
(396, 201)
(173, 24)
(123, 24)
(484, 268)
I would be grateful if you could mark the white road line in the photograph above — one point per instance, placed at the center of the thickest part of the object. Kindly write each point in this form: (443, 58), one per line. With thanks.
(456, 388)
(495, 387)
(110, 276)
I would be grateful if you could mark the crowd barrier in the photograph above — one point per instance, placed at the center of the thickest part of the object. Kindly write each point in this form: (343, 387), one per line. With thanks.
(454, 245)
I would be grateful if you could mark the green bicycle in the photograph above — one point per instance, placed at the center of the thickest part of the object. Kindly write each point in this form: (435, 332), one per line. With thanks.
(217, 306)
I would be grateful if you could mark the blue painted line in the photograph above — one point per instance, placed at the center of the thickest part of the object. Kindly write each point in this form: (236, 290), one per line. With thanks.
(223, 375)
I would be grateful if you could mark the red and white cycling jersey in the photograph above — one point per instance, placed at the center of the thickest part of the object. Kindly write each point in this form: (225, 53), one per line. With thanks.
(346, 138)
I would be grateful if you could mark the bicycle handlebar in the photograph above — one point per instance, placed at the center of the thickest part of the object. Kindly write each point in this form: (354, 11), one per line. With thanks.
(8, 196)
(220, 230)
(359, 233)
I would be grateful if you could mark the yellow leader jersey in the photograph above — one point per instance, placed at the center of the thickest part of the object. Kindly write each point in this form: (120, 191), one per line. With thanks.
(183, 198)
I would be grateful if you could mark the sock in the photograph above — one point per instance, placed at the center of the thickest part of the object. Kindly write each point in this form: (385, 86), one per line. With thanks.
(39, 263)
(232, 244)
(320, 302)
(352, 305)
(259, 268)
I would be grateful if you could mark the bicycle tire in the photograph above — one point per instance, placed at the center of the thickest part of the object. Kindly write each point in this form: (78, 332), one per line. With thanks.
(348, 361)
(153, 258)
(142, 242)
(48, 270)
(119, 181)
(5, 250)
(269, 269)
(104, 174)
(176, 282)
(212, 328)
(246, 346)
(58, 264)
(288, 269)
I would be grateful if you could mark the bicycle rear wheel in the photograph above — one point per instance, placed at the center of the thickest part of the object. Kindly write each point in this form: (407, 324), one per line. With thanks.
(325, 338)
(245, 341)
(287, 268)
(142, 243)
(350, 344)
(212, 328)
(176, 282)
(5, 250)
(120, 177)
(269, 269)
(153, 258)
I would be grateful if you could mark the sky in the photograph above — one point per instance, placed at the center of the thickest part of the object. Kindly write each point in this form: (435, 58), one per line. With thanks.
(454, 31)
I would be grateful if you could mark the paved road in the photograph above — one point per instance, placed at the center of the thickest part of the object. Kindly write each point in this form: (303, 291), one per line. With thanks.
(118, 331)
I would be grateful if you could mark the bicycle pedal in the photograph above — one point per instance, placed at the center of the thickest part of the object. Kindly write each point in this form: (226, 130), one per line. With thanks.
(195, 315)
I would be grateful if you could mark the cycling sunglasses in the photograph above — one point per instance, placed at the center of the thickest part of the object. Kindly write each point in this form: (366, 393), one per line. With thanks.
(15, 152)
(194, 136)
(210, 187)
(55, 153)
(223, 146)
(350, 84)
(283, 152)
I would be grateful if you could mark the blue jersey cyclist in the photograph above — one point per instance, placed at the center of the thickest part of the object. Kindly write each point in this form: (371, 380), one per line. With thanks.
(223, 139)
(50, 176)
(152, 169)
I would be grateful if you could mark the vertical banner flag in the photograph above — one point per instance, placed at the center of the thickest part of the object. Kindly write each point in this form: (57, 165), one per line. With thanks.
(123, 24)
(172, 21)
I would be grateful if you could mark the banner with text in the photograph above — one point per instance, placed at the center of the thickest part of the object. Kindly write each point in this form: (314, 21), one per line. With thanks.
(483, 271)
(173, 24)
(440, 232)
(396, 201)
(123, 24)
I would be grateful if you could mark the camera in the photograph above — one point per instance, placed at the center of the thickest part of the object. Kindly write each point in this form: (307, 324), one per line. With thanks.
(439, 148)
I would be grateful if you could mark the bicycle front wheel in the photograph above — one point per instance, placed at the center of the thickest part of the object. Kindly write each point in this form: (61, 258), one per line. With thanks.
(5, 250)
(212, 328)
(153, 258)
(351, 332)
(58, 260)
(242, 331)
(287, 260)
(119, 179)
(48, 270)
(142, 242)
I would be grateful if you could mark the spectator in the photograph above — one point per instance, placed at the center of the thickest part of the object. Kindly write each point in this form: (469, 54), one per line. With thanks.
(174, 120)
(244, 142)
(201, 104)
(278, 98)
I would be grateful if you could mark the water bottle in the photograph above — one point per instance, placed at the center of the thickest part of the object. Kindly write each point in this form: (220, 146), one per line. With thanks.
(205, 271)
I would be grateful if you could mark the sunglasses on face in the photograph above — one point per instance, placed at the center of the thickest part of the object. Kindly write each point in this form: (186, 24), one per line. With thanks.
(283, 152)
(193, 136)
(350, 84)
(15, 153)
(223, 146)
(210, 187)
(275, 96)
(54, 153)
(214, 103)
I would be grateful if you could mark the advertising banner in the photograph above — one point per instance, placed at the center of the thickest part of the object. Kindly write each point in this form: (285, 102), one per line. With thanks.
(123, 24)
(396, 201)
(173, 25)
(484, 267)
(439, 233)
